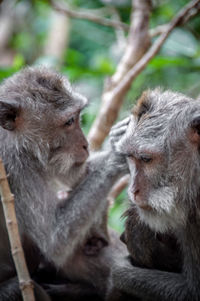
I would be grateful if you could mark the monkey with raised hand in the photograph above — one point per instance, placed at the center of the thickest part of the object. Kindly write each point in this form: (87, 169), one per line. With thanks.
(147, 248)
(162, 145)
(41, 140)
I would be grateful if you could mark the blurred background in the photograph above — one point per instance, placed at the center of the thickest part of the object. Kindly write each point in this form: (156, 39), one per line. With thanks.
(36, 32)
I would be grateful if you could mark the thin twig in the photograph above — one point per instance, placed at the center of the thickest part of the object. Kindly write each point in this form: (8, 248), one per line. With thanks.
(120, 34)
(156, 31)
(79, 14)
(163, 28)
(141, 64)
(57, 38)
(121, 81)
(25, 282)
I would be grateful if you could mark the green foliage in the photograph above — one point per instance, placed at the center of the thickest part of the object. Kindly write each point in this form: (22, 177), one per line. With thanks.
(116, 220)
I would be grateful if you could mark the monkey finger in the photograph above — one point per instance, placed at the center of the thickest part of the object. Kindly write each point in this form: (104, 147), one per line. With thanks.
(122, 123)
(118, 132)
(113, 143)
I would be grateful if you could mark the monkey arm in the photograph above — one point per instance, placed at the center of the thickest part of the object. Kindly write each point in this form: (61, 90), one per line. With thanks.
(75, 216)
(9, 290)
(151, 284)
(58, 227)
(76, 291)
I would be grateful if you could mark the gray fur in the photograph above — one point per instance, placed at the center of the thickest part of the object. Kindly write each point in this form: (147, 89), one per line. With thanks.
(165, 190)
(35, 149)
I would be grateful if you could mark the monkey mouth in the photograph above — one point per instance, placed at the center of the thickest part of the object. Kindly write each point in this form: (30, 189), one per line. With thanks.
(145, 207)
(139, 200)
(142, 204)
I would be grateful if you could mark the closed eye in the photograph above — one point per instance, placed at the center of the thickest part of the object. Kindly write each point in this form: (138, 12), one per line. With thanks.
(146, 159)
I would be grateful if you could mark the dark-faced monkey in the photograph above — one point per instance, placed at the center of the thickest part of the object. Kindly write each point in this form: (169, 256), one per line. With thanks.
(162, 145)
(41, 141)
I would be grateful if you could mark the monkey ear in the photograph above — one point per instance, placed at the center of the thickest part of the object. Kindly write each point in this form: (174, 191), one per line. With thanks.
(8, 114)
(195, 125)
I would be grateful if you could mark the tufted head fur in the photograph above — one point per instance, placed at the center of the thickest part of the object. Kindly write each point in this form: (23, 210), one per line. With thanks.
(162, 145)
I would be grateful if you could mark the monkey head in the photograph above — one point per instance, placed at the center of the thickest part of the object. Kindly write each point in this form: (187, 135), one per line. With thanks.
(41, 118)
(162, 148)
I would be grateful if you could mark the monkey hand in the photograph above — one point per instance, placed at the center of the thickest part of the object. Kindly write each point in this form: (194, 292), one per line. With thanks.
(116, 134)
(117, 131)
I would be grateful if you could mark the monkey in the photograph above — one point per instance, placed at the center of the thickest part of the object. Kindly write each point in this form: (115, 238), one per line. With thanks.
(42, 142)
(161, 145)
(90, 259)
(148, 248)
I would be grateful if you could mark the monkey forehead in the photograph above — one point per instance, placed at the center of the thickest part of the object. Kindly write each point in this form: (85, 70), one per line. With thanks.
(42, 85)
(137, 146)
(141, 136)
(159, 130)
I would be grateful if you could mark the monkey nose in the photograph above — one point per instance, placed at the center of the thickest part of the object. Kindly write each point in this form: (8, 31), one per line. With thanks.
(136, 192)
(82, 155)
(85, 147)
(140, 201)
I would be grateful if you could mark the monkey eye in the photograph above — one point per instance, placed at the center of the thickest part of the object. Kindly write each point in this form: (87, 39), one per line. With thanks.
(146, 159)
(70, 121)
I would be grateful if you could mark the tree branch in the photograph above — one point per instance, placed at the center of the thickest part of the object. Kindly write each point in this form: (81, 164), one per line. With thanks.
(158, 30)
(138, 43)
(162, 28)
(58, 37)
(133, 62)
(25, 282)
(125, 84)
(79, 14)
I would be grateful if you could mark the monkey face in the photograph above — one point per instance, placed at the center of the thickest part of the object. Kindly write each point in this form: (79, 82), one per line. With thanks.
(153, 193)
(43, 119)
(164, 184)
(69, 150)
